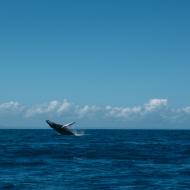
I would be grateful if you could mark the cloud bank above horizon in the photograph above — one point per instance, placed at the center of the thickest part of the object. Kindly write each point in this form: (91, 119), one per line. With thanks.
(154, 114)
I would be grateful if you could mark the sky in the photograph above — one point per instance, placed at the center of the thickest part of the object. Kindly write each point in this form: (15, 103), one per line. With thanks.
(105, 64)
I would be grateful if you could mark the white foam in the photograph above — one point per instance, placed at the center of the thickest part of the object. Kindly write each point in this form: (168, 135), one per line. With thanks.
(79, 132)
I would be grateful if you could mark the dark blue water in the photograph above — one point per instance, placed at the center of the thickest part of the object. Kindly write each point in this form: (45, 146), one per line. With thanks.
(100, 159)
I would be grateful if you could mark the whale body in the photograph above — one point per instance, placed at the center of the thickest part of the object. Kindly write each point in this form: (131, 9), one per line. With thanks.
(61, 129)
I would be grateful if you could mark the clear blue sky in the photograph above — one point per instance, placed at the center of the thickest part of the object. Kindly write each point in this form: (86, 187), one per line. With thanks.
(95, 52)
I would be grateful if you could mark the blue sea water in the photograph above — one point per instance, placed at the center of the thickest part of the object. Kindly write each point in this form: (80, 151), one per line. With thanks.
(99, 159)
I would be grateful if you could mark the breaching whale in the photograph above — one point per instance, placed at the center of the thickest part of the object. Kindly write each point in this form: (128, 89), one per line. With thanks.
(62, 129)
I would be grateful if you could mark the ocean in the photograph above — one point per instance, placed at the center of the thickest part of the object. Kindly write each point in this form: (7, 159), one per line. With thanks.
(96, 160)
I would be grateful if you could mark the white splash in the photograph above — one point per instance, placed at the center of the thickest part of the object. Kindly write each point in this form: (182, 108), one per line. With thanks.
(78, 132)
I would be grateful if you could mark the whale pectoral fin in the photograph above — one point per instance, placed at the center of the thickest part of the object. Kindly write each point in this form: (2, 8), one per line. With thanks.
(69, 124)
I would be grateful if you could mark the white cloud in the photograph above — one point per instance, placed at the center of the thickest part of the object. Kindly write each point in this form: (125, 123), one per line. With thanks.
(186, 110)
(150, 113)
(10, 106)
(127, 112)
(122, 112)
(41, 109)
(51, 107)
(86, 110)
(64, 106)
(154, 104)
